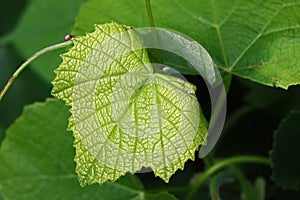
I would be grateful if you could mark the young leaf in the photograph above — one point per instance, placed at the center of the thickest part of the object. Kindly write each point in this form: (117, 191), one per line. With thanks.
(36, 161)
(285, 152)
(257, 40)
(125, 116)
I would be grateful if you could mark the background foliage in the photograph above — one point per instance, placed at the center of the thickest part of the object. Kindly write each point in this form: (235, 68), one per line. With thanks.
(256, 40)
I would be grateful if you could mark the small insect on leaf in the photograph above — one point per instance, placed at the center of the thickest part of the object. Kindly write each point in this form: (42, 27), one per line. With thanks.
(69, 37)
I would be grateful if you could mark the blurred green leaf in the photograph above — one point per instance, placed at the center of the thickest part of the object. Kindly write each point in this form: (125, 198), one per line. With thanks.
(36, 161)
(259, 188)
(285, 153)
(255, 191)
(257, 40)
(250, 191)
(44, 23)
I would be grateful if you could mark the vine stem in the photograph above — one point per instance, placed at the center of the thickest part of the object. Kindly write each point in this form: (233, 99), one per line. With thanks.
(156, 50)
(149, 13)
(29, 60)
(230, 161)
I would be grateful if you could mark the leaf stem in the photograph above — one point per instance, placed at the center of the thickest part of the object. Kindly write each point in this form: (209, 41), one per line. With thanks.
(233, 160)
(149, 13)
(29, 60)
(156, 51)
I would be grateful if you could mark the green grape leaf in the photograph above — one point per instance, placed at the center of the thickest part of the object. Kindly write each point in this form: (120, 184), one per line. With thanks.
(44, 23)
(124, 115)
(285, 152)
(257, 40)
(36, 161)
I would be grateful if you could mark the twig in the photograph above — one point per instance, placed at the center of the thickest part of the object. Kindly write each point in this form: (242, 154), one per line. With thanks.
(29, 60)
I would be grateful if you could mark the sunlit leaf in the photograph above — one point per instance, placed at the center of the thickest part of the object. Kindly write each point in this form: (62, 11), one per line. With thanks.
(125, 116)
